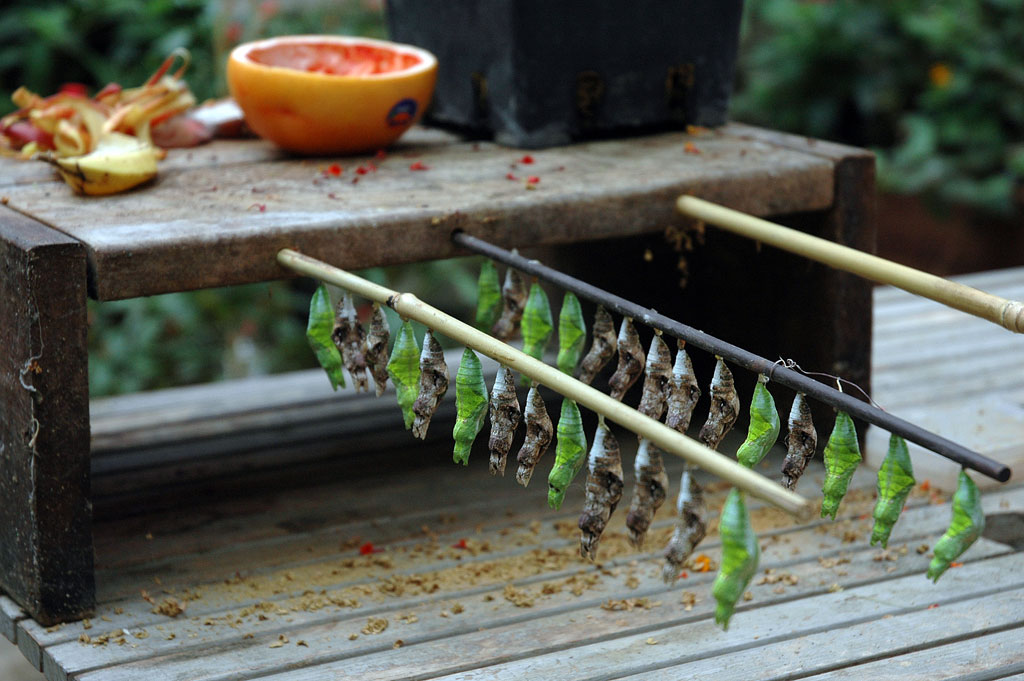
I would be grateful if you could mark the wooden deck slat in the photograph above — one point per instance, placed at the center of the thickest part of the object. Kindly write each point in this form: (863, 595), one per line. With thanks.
(330, 637)
(965, 340)
(283, 551)
(136, 614)
(860, 642)
(10, 614)
(966, 374)
(321, 630)
(139, 244)
(625, 649)
(950, 373)
(976, 659)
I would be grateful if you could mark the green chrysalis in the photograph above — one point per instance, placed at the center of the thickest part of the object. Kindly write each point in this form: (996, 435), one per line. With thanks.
(895, 480)
(764, 426)
(318, 332)
(572, 334)
(404, 370)
(470, 405)
(488, 300)
(967, 525)
(842, 454)
(537, 323)
(740, 554)
(570, 453)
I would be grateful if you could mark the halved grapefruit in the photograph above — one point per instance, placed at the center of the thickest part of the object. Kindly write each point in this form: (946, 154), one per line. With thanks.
(322, 94)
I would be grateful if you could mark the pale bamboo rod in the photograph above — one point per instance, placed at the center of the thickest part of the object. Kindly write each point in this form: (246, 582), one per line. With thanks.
(1007, 313)
(409, 307)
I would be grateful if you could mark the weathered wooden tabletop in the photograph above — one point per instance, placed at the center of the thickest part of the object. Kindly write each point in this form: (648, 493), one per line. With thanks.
(476, 578)
(217, 214)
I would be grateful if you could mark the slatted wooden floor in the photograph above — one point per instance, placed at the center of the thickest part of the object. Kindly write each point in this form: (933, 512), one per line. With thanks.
(476, 578)
(953, 374)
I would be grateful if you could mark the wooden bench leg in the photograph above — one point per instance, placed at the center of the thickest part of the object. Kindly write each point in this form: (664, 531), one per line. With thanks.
(46, 556)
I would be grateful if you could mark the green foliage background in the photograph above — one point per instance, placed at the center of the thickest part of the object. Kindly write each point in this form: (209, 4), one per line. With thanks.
(936, 87)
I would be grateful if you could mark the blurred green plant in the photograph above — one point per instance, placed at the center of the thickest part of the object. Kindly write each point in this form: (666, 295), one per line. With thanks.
(195, 337)
(936, 87)
(94, 42)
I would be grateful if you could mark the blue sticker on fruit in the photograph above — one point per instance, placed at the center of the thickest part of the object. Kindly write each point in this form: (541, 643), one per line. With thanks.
(402, 113)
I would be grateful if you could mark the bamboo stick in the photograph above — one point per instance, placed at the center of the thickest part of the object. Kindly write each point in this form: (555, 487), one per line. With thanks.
(408, 306)
(1007, 313)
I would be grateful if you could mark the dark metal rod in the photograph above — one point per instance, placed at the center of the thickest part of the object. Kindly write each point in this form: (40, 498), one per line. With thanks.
(748, 360)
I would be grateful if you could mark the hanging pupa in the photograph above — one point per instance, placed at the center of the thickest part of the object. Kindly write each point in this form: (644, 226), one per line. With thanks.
(404, 370)
(513, 300)
(725, 407)
(842, 454)
(318, 333)
(433, 384)
(505, 415)
(740, 555)
(684, 391)
(537, 323)
(764, 426)
(539, 431)
(801, 441)
(349, 338)
(657, 378)
(570, 453)
(375, 348)
(631, 360)
(601, 348)
(895, 480)
(470, 405)
(572, 334)
(488, 297)
(603, 490)
(689, 527)
(649, 491)
(967, 525)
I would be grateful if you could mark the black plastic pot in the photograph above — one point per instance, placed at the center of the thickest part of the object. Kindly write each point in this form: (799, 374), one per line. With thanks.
(539, 73)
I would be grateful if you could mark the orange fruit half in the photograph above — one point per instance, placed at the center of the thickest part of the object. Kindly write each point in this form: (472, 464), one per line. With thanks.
(323, 94)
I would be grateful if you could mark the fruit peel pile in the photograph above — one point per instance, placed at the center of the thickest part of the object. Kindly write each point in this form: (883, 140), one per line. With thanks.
(102, 144)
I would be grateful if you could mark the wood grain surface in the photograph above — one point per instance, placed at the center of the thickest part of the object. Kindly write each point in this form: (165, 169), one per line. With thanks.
(45, 538)
(216, 215)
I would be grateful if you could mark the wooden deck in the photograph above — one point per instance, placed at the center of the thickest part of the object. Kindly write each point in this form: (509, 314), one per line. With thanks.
(476, 578)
